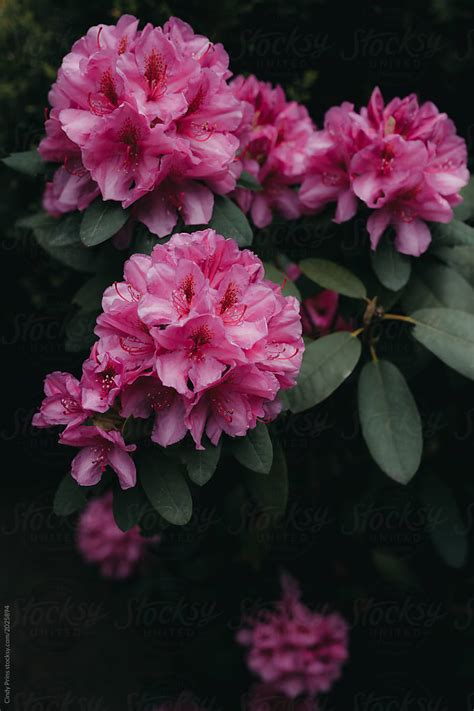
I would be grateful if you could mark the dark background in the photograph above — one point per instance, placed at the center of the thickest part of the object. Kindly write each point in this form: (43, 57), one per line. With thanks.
(355, 540)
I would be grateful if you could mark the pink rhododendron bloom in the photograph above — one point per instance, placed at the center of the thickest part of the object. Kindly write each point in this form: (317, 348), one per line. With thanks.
(99, 540)
(403, 161)
(100, 448)
(292, 649)
(146, 118)
(195, 338)
(274, 138)
(63, 402)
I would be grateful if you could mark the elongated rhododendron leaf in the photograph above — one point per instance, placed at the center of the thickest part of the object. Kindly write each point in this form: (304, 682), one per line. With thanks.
(26, 162)
(392, 268)
(449, 334)
(101, 221)
(164, 484)
(326, 364)
(255, 450)
(69, 497)
(332, 276)
(129, 505)
(390, 421)
(202, 463)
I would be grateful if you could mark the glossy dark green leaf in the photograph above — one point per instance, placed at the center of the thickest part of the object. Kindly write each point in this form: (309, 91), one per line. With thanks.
(327, 362)
(26, 162)
(333, 276)
(69, 497)
(435, 285)
(392, 268)
(128, 506)
(229, 220)
(452, 234)
(449, 334)
(390, 420)
(255, 450)
(164, 484)
(101, 221)
(202, 463)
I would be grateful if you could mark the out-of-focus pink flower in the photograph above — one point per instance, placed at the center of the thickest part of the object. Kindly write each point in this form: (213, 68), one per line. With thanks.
(99, 540)
(403, 160)
(144, 118)
(296, 651)
(319, 314)
(274, 139)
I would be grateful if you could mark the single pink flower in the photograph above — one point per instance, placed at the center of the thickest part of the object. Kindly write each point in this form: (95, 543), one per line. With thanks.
(117, 553)
(99, 449)
(63, 402)
(232, 405)
(147, 396)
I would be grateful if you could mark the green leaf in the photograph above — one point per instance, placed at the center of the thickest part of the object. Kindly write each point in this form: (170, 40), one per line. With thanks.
(202, 463)
(60, 238)
(128, 506)
(390, 420)
(255, 450)
(460, 258)
(278, 277)
(101, 221)
(446, 528)
(465, 210)
(229, 220)
(452, 234)
(332, 276)
(436, 285)
(163, 480)
(270, 492)
(327, 362)
(69, 497)
(27, 162)
(392, 268)
(247, 181)
(449, 334)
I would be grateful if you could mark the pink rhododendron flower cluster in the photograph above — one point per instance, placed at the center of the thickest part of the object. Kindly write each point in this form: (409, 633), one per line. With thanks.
(293, 650)
(145, 118)
(99, 540)
(274, 140)
(402, 160)
(194, 337)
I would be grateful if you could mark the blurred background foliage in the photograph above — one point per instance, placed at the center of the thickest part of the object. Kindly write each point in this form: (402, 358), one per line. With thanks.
(352, 536)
